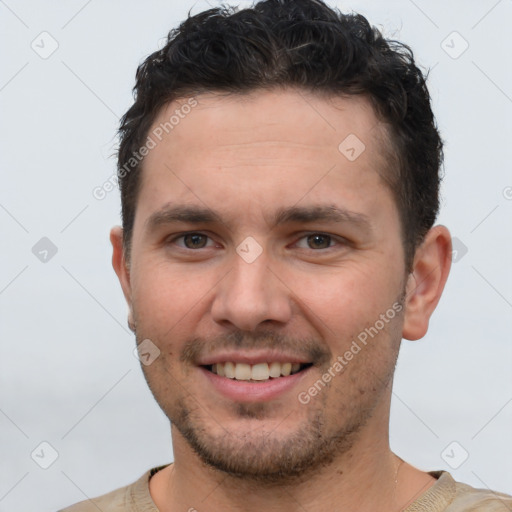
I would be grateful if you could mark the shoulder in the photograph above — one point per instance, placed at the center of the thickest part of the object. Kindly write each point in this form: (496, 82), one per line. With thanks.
(130, 498)
(447, 495)
(470, 499)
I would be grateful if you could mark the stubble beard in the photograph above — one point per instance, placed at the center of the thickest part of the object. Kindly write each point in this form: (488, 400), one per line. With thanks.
(266, 458)
(271, 458)
(328, 431)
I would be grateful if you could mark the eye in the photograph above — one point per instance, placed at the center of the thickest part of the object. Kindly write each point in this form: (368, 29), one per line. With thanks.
(193, 241)
(316, 241)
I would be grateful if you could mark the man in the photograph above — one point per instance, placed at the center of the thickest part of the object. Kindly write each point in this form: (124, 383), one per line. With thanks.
(279, 174)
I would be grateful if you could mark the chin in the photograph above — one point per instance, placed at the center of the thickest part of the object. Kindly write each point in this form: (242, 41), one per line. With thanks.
(269, 452)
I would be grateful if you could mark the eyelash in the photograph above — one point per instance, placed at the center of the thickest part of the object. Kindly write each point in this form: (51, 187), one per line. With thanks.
(332, 239)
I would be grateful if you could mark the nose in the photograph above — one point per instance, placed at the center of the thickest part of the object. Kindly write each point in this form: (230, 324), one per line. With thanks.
(251, 294)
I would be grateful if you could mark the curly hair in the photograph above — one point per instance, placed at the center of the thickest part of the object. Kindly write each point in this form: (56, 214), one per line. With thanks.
(295, 43)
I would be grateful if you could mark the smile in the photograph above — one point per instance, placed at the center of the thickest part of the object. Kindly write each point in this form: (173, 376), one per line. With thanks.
(256, 372)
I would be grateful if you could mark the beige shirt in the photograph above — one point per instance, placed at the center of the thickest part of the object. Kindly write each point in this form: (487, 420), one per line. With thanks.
(446, 495)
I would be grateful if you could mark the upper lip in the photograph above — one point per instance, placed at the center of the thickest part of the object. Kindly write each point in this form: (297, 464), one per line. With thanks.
(251, 357)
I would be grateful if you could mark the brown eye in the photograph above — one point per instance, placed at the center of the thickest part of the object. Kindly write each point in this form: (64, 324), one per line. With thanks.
(319, 241)
(195, 241)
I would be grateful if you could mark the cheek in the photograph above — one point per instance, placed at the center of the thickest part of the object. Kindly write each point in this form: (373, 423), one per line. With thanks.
(164, 299)
(345, 308)
(343, 300)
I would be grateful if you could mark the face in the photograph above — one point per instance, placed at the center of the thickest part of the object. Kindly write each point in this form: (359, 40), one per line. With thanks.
(262, 247)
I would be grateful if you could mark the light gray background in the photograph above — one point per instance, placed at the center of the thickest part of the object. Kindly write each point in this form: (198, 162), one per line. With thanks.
(68, 374)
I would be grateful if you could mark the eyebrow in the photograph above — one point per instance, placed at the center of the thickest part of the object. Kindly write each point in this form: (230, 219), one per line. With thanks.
(323, 213)
(188, 214)
(181, 213)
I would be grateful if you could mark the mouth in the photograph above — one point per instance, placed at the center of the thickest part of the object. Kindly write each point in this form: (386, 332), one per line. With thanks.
(259, 372)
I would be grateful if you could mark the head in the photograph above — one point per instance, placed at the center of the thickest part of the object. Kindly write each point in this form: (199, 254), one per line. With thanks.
(281, 212)
(304, 44)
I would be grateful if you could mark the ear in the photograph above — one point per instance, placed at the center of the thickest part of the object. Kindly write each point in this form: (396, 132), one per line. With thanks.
(426, 281)
(122, 268)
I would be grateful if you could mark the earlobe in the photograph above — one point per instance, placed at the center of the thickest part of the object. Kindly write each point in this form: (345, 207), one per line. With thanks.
(122, 269)
(426, 282)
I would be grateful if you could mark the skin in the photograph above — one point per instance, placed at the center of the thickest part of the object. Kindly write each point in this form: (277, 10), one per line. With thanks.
(244, 158)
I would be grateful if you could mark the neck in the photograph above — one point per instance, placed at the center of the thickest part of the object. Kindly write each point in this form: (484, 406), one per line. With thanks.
(367, 478)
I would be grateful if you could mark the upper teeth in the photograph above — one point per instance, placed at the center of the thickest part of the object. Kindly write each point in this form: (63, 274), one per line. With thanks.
(260, 371)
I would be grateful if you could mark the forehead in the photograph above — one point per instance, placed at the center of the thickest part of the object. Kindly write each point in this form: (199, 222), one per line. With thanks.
(268, 146)
(289, 115)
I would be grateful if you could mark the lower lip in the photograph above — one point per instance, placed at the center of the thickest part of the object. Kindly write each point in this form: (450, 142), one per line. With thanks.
(245, 391)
